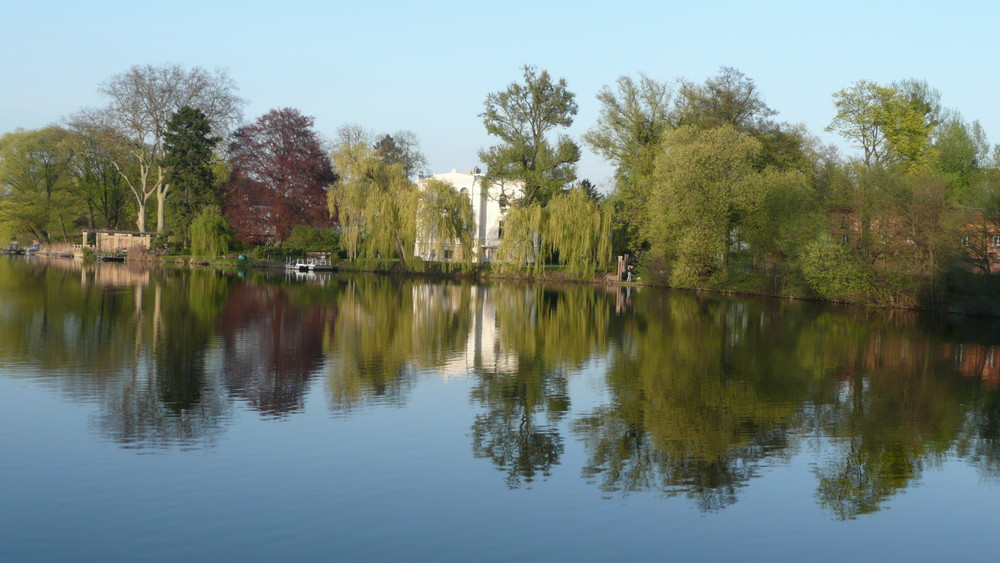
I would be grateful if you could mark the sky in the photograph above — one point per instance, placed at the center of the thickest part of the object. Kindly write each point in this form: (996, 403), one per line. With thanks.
(428, 66)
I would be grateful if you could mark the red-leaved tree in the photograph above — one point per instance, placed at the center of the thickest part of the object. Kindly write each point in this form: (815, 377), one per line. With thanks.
(279, 178)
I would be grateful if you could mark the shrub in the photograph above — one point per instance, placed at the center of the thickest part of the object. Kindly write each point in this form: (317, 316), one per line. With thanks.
(832, 273)
(210, 234)
(305, 238)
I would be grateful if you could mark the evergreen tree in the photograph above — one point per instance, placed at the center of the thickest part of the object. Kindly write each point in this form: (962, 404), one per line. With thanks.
(188, 145)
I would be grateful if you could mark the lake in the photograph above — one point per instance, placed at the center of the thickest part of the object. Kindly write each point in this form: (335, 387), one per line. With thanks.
(167, 414)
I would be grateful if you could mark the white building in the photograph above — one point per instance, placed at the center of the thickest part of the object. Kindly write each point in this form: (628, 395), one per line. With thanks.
(486, 211)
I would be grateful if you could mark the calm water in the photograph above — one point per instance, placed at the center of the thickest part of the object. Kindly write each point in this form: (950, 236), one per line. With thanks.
(168, 415)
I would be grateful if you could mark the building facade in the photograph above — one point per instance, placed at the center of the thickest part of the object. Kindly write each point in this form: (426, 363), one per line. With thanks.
(488, 214)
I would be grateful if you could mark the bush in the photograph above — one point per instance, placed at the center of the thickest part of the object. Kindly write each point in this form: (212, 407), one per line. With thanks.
(305, 238)
(832, 273)
(210, 234)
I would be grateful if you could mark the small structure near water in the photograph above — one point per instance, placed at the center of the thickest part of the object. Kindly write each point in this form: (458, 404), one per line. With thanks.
(115, 245)
(309, 264)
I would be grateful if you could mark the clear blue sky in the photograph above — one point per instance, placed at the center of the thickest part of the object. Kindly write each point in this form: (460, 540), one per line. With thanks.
(428, 66)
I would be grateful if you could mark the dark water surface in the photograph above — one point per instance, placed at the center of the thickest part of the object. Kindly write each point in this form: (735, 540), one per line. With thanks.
(167, 415)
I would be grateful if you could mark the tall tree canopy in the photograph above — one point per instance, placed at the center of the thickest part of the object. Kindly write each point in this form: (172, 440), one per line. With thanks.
(402, 148)
(732, 98)
(705, 188)
(375, 202)
(96, 181)
(888, 126)
(141, 103)
(633, 120)
(729, 98)
(279, 177)
(522, 116)
(189, 158)
(35, 181)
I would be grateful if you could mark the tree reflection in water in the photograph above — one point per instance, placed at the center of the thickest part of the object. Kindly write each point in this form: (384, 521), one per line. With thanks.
(272, 348)
(536, 336)
(699, 392)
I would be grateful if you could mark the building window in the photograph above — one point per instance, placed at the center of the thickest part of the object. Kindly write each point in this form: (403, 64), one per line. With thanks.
(965, 240)
(996, 240)
(844, 239)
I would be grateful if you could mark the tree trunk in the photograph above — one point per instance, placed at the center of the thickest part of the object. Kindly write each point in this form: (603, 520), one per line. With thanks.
(140, 220)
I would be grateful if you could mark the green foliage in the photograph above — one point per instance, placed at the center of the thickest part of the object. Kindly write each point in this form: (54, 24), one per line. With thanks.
(401, 148)
(305, 238)
(962, 154)
(376, 204)
(783, 219)
(731, 98)
(888, 126)
(36, 198)
(629, 131)
(210, 234)
(578, 231)
(188, 158)
(103, 192)
(833, 274)
(521, 116)
(520, 245)
(704, 190)
(445, 222)
(140, 103)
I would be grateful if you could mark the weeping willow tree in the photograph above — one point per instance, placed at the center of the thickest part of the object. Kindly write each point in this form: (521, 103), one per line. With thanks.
(445, 222)
(375, 202)
(571, 228)
(210, 234)
(578, 231)
(520, 244)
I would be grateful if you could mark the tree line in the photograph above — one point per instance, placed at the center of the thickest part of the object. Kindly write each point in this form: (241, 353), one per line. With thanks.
(710, 190)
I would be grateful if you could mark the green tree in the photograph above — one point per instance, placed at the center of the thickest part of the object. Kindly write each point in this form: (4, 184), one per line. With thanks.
(577, 230)
(375, 203)
(96, 181)
(141, 102)
(35, 179)
(306, 238)
(445, 221)
(887, 126)
(521, 117)
(210, 234)
(634, 118)
(732, 98)
(188, 144)
(783, 219)
(520, 243)
(729, 98)
(703, 190)
(402, 148)
(962, 152)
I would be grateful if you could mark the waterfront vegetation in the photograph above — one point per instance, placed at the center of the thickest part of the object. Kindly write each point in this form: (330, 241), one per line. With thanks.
(710, 190)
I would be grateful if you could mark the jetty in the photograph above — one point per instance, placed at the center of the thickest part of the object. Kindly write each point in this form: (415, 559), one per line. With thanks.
(309, 265)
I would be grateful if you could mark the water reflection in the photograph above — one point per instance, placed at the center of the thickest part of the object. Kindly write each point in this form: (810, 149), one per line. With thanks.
(272, 347)
(699, 393)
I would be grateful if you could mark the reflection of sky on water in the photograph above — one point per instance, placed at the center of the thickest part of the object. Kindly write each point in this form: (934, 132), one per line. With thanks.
(418, 420)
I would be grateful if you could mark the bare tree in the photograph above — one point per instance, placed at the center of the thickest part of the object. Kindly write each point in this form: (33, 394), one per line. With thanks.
(142, 100)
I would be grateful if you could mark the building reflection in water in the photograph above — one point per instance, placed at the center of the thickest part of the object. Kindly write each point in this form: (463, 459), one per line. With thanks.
(698, 392)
